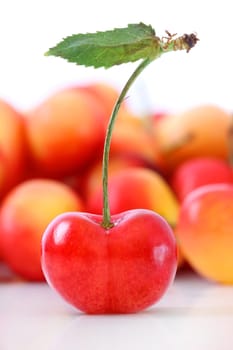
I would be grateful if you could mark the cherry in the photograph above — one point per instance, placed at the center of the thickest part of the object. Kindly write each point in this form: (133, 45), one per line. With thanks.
(102, 264)
(123, 269)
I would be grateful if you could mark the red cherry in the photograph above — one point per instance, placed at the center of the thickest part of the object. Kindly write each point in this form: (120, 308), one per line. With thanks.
(102, 264)
(123, 269)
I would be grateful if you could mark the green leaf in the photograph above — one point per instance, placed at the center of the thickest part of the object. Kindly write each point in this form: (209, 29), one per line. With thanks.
(109, 48)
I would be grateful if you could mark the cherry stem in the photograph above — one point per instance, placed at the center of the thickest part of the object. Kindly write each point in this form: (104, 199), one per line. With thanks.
(107, 223)
(186, 42)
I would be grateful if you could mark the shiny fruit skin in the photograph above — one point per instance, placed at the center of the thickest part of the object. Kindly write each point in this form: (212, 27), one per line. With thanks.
(123, 269)
(204, 231)
(25, 213)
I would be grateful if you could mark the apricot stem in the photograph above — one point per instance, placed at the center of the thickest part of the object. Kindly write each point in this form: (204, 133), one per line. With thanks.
(107, 223)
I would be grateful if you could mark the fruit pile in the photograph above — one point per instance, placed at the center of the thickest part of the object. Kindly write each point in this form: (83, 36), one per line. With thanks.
(176, 165)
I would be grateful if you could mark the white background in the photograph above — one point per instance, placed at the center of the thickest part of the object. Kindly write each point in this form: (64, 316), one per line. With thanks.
(174, 82)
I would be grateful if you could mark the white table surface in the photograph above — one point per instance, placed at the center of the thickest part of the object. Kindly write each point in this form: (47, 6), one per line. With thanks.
(194, 314)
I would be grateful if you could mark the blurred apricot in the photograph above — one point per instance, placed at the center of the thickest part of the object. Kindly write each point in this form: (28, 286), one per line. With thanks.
(204, 231)
(24, 215)
(197, 172)
(137, 187)
(92, 179)
(65, 132)
(12, 147)
(132, 137)
(200, 131)
(106, 94)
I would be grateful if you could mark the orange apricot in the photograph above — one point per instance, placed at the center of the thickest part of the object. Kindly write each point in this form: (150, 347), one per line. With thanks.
(200, 131)
(64, 132)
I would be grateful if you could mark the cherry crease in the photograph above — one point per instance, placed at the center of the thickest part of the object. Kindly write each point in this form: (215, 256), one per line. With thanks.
(124, 269)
